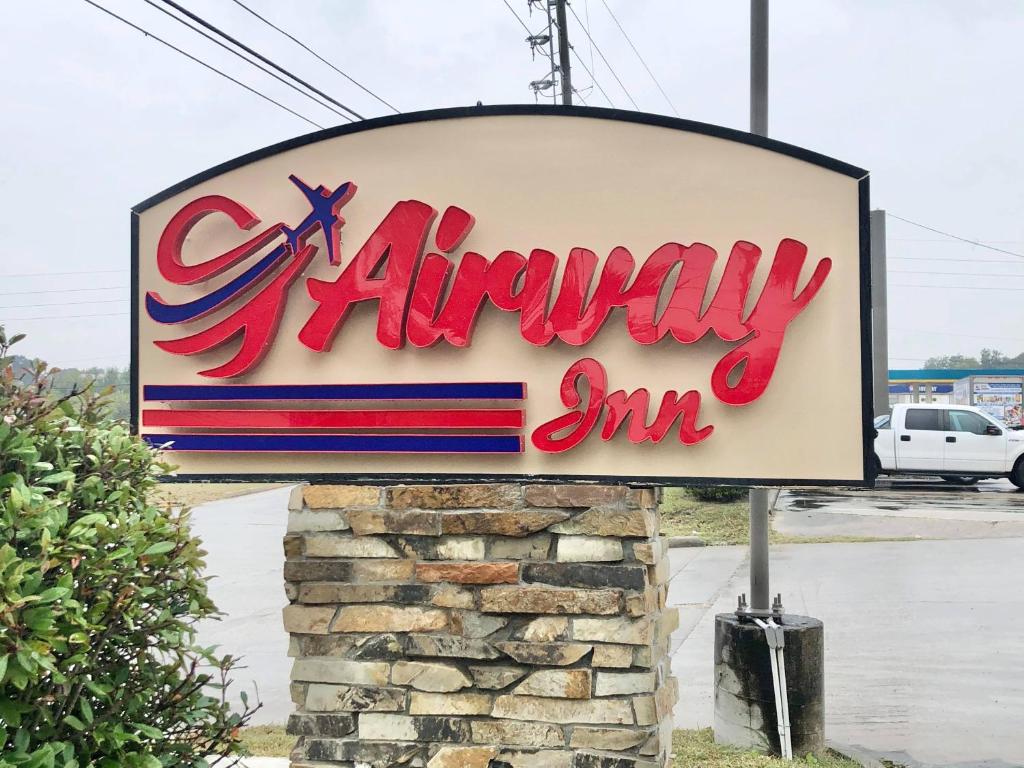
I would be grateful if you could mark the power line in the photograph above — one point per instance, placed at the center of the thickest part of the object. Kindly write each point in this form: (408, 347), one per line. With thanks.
(523, 23)
(200, 20)
(258, 66)
(64, 317)
(535, 41)
(586, 13)
(623, 31)
(943, 260)
(210, 67)
(951, 274)
(605, 60)
(956, 287)
(112, 356)
(572, 50)
(63, 290)
(941, 240)
(958, 335)
(64, 304)
(61, 274)
(317, 55)
(956, 237)
(592, 78)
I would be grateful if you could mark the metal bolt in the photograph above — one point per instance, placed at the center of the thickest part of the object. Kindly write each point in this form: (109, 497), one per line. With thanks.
(777, 605)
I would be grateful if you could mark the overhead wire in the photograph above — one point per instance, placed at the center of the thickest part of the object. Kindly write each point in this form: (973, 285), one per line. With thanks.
(199, 61)
(318, 56)
(959, 335)
(950, 274)
(63, 290)
(63, 304)
(642, 61)
(603, 57)
(252, 52)
(978, 243)
(586, 12)
(62, 274)
(943, 259)
(258, 66)
(64, 317)
(957, 287)
(571, 50)
(583, 64)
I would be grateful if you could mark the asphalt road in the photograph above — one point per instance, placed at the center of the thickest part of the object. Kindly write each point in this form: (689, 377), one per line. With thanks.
(923, 650)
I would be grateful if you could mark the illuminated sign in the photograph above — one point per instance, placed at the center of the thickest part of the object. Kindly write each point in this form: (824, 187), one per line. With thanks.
(530, 293)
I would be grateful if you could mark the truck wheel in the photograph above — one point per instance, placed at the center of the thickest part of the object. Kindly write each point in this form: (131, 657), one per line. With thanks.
(1017, 475)
(961, 479)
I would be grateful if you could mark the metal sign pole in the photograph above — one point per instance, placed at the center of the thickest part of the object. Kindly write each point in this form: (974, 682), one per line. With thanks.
(759, 565)
(759, 525)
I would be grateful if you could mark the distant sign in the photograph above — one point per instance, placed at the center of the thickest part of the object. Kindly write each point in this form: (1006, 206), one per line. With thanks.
(1004, 385)
(527, 293)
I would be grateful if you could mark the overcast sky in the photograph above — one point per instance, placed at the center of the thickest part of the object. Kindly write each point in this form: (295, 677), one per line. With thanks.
(925, 94)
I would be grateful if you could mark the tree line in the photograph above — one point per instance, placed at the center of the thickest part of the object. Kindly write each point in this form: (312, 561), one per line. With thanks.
(989, 358)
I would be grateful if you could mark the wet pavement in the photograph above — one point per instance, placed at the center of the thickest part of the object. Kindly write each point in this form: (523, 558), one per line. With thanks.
(242, 537)
(904, 509)
(923, 654)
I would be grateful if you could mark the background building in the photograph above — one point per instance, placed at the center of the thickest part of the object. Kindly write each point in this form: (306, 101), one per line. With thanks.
(997, 391)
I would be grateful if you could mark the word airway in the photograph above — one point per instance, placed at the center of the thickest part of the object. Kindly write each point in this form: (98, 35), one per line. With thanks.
(425, 299)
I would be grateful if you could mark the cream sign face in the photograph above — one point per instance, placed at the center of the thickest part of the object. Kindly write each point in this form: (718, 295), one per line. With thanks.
(509, 292)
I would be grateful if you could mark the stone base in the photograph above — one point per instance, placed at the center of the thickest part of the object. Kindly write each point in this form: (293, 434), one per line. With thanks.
(479, 625)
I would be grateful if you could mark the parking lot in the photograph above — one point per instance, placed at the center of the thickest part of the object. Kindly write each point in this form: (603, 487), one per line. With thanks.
(922, 649)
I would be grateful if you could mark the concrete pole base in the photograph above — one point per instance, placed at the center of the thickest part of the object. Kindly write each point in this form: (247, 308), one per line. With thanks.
(745, 713)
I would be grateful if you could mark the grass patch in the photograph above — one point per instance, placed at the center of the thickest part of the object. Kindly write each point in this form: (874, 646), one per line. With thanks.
(267, 741)
(716, 522)
(193, 494)
(691, 748)
(719, 523)
(698, 748)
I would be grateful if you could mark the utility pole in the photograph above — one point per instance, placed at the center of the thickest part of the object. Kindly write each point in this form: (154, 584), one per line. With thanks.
(760, 587)
(759, 67)
(541, 39)
(563, 53)
(879, 314)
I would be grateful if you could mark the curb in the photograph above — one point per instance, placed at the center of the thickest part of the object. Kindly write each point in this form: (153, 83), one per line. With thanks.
(856, 754)
(677, 542)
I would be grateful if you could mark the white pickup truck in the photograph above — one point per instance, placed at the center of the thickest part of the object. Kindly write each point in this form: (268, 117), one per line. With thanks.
(959, 443)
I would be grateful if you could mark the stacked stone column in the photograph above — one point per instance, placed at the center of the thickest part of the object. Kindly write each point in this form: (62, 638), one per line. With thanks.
(469, 626)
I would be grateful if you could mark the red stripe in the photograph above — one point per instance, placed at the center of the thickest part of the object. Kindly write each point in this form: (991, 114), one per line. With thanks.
(454, 418)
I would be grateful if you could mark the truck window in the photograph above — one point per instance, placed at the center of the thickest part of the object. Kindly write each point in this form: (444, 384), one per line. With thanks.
(966, 421)
(924, 418)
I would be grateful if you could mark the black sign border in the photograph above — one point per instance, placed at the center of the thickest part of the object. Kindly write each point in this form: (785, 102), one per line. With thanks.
(643, 118)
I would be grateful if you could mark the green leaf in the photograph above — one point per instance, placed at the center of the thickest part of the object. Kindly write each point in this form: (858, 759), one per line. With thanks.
(148, 730)
(53, 593)
(159, 548)
(74, 722)
(3, 666)
(57, 477)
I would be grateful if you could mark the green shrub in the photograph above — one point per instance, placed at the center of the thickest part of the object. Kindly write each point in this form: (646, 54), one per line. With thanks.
(719, 493)
(100, 591)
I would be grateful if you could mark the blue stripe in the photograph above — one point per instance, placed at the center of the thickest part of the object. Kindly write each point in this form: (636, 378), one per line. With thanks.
(502, 390)
(179, 313)
(341, 443)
